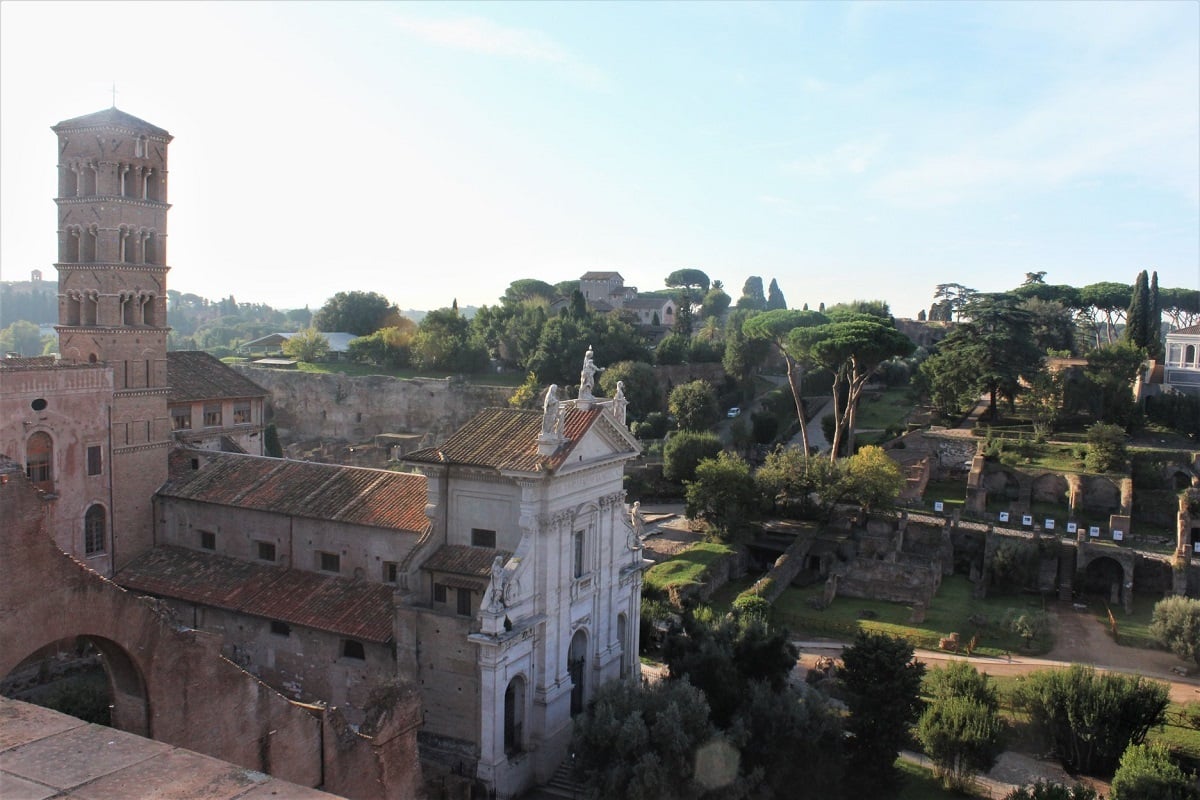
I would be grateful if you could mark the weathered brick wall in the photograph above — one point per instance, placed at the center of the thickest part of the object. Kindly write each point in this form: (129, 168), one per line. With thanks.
(357, 408)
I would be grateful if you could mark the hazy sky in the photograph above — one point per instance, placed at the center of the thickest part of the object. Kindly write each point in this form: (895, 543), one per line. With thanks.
(438, 151)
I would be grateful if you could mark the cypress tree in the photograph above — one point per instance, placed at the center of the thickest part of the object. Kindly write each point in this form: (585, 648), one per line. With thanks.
(775, 296)
(1154, 322)
(1138, 317)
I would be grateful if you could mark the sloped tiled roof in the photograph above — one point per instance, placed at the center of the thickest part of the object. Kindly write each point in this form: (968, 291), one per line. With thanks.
(357, 609)
(1191, 330)
(110, 116)
(353, 495)
(506, 439)
(648, 302)
(196, 375)
(460, 559)
(600, 276)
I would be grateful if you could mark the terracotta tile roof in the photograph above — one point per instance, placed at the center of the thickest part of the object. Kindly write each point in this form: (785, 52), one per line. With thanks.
(357, 609)
(25, 362)
(460, 559)
(373, 497)
(196, 375)
(110, 116)
(1191, 330)
(600, 276)
(506, 439)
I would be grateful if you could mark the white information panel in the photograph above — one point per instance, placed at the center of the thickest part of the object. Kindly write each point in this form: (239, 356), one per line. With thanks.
(1049, 524)
(1094, 531)
(1196, 547)
(1072, 527)
(1004, 516)
(1118, 535)
(939, 506)
(1027, 519)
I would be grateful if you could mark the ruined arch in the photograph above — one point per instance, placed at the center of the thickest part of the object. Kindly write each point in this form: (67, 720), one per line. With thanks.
(577, 668)
(130, 703)
(1051, 488)
(1101, 494)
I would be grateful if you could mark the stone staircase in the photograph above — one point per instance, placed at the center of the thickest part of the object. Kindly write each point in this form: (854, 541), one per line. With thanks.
(561, 785)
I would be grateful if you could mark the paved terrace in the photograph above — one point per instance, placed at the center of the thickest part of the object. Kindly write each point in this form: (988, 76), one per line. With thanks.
(45, 754)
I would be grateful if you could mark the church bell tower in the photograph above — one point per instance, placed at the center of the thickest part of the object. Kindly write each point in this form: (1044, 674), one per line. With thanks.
(112, 295)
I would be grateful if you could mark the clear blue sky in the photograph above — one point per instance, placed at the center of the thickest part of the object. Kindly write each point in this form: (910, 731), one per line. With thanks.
(440, 151)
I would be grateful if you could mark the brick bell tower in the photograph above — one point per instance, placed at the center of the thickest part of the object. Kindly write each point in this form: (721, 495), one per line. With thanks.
(112, 296)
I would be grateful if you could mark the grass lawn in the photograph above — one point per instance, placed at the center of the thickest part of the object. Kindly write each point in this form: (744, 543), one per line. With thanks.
(920, 784)
(952, 493)
(1133, 629)
(949, 612)
(886, 409)
(1177, 735)
(686, 568)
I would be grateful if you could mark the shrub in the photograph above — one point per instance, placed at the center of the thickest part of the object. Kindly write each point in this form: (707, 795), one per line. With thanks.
(962, 736)
(1175, 624)
(1090, 718)
(1147, 773)
(685, 450)
(1043, 790)
(1106, 448)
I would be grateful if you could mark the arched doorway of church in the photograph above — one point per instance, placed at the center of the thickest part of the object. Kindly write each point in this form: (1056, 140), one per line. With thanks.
(88, 677)
(577, 667)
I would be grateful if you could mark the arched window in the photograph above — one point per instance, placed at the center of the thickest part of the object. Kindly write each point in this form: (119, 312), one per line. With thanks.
(1189, 356)
(514, 716)
(94, 531)
(577, 668)
(39, 461)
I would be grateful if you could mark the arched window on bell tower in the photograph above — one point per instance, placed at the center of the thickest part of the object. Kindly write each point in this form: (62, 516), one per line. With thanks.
(39, 461)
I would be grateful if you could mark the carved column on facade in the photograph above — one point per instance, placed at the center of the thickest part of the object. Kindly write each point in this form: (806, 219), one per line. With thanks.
(1075, 491)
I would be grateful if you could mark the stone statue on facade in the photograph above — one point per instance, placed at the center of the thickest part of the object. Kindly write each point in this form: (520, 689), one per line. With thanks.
(587, 375)
(619, 403)
(550, 410)
(637, 526)
(496, 600)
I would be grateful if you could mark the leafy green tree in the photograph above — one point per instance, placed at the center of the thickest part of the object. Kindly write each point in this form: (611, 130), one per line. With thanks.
(1046, 790)
(852, 346)
(715, 303)
(1137, 318)
(1106, 448)
(360, 313)
(694, 405)
(722, 494)
(963, 737)
(1175, 624)
(685, 450)
(525, 290)
(1111, 372)
(989, 353)
(1108, 299)
(444, 342)
(391, 345)
(704, 351)
(21, 337)
(743, 354)
(949, 300)
(961, 679)
(777, 327)
(306, 345)
(641, 386)
(1089, 718)
(692, 280)
(1147, 772)
(872, 478)
(673, 349)
(640, 743)
(724, 657)
(1051, 325)
(883, 686)
(1154, 341)
(271, 445)
(798, 486)
(775, 298)
(752, 294)
(1181, 305)
(790, 742)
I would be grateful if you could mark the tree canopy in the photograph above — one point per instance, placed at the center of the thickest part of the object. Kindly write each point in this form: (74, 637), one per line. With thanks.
(360, 313)
(690, 279)
(776, 327)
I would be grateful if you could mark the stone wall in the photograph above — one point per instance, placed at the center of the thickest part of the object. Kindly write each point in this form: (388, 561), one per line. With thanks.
(305, 405)
(904, 580)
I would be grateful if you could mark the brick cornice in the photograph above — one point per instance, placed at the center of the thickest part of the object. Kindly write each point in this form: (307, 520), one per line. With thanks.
(73, 266)
(111, 198)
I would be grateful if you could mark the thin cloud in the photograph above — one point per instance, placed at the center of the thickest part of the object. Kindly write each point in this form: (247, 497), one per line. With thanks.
(483, 36)
(854, 157)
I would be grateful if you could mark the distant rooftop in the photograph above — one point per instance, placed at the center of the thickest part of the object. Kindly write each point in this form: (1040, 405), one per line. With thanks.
(110, 117)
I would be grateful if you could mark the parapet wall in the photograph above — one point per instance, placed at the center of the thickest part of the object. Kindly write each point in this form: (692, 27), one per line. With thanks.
(305, 405)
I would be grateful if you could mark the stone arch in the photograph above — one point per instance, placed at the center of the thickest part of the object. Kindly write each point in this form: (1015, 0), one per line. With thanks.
(1002, 485)
(130, 703)
(577, 668)
(1051, 488)
(1106, 570)
(1101, 494)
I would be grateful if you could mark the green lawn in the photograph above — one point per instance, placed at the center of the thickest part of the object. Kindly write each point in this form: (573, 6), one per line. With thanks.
(949, 612)
(686, 568)
(886, 409)
(920, 784)
(1133, 629)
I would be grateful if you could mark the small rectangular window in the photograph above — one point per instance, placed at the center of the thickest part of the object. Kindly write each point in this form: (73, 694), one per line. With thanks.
(208, 540)
(578, 559)
(330, 562)
(482, 537)
(353, 649)
(266, 551)
(241, 414)
(181, 419)
(95, 460)
(212, 416)
(464, 602)
(390, 571)
(281, 628)
(439, 593)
